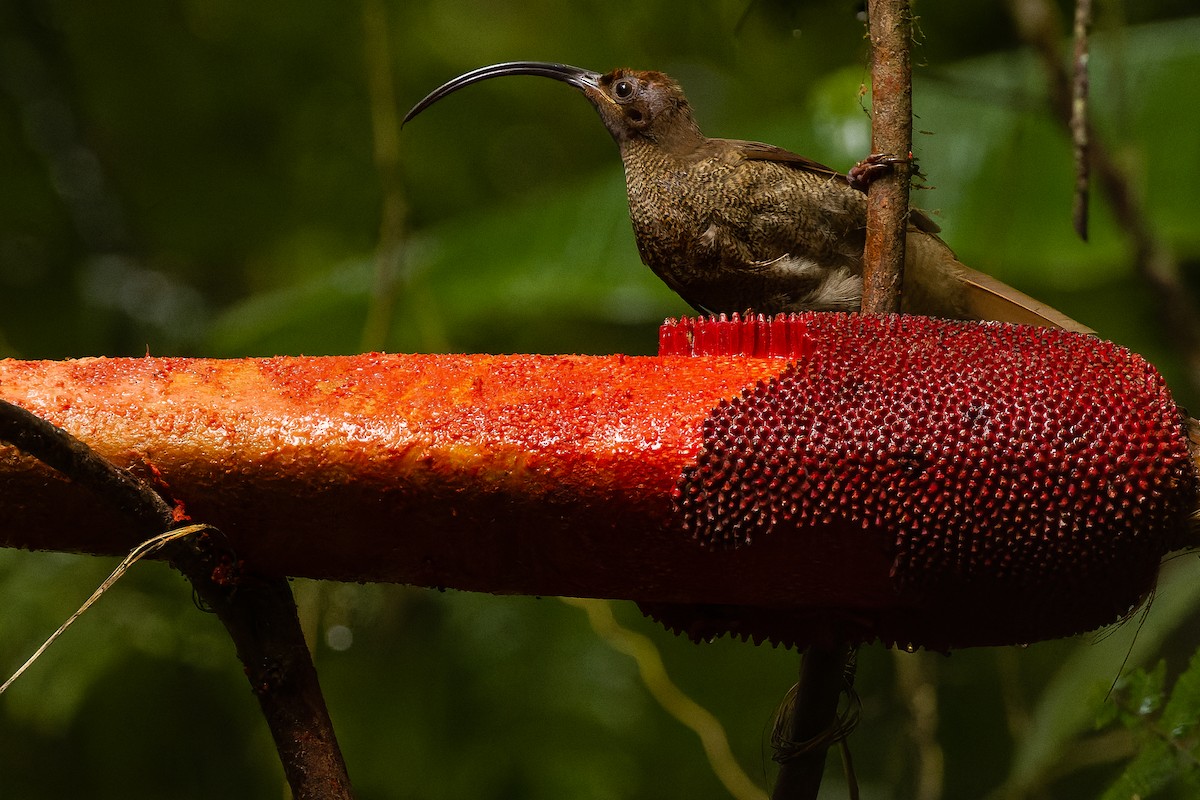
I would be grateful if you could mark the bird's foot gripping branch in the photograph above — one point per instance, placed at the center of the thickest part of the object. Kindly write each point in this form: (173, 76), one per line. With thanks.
(918, 481)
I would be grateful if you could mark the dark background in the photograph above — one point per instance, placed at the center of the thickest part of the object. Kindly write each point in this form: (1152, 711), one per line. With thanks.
(221, 178)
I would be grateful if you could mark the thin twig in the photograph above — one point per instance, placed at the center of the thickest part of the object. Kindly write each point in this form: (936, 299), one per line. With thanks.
(1079, 115)
(1039, 25)
(151, 545)
(257, 611)
(890, 31)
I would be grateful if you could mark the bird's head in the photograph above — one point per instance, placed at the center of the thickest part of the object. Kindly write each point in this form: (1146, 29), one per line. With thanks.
(634, 105)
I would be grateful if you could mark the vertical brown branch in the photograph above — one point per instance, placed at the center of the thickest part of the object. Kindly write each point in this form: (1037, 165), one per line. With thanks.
(822, 681)
(258, 612)
(810, 726)
(260, 616)
(890, 31)
(1079, 115)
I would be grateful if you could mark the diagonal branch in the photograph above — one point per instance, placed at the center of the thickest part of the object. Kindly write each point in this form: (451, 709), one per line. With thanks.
(257, 611)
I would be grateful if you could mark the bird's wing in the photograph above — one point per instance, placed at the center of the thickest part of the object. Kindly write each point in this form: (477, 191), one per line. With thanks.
(757, 151)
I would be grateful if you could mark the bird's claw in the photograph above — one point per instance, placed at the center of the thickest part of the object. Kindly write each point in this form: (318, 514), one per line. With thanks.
(873, 167)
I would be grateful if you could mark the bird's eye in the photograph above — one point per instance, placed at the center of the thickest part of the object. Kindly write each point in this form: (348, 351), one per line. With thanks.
(623, 89)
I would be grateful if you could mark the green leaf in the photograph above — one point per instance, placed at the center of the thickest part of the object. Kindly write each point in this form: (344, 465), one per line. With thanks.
(1169, 747)
(1068, 706)
(1138, 694)
(1181, 717)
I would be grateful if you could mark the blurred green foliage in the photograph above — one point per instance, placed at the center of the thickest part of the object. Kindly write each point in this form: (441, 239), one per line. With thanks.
(1165, 730)
(200, 177)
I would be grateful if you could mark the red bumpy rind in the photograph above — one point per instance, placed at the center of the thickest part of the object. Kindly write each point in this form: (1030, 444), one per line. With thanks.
(1032, 479)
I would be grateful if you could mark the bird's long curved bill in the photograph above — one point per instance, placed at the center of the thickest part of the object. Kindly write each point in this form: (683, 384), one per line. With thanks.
(581, 79)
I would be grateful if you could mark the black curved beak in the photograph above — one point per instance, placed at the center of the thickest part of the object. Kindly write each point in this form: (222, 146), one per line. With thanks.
(581, 79)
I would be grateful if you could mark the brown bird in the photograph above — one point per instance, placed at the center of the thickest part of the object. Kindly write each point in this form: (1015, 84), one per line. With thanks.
(732, 225)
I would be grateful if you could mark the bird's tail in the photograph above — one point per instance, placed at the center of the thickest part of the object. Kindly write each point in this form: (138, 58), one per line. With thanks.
(988, 298)
(956, 290)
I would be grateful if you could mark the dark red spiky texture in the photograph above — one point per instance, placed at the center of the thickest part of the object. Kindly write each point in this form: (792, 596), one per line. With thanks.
(1015, 470)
